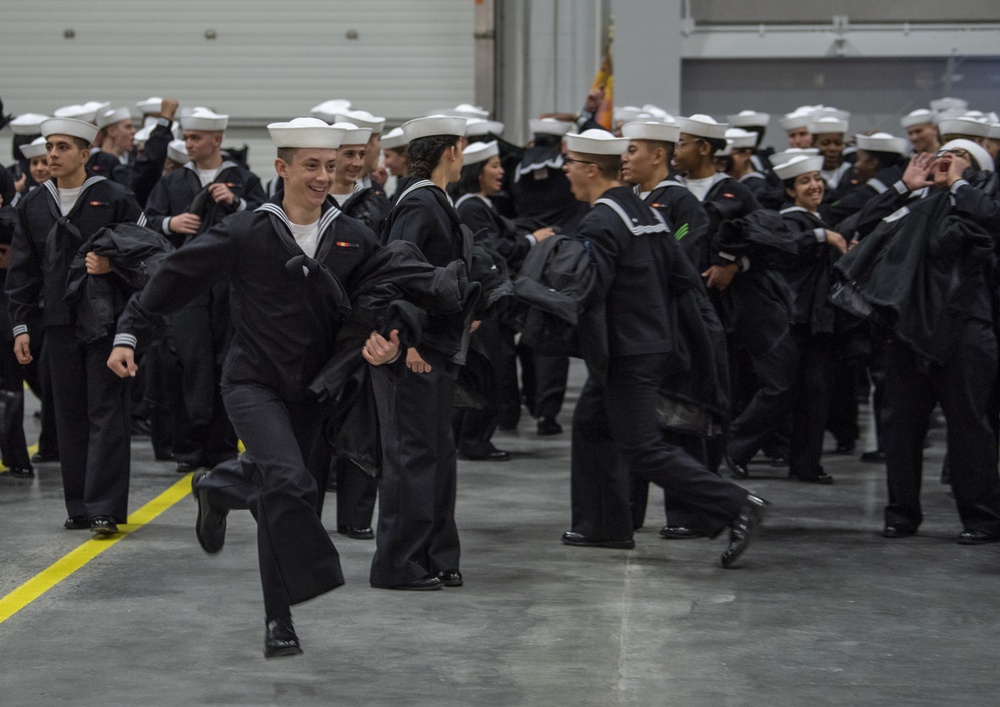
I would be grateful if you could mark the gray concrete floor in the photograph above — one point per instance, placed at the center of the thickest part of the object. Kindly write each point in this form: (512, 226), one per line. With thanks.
(821, 611)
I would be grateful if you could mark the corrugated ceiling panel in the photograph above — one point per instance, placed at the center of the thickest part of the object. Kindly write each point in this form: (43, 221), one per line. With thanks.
(272, 59)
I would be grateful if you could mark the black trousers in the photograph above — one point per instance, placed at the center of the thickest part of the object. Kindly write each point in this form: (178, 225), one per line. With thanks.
(768, 410)
(962, 386)
(473, 429)
(356, 495)
(628, 416)
(550, 385)
(286, 456)
(676, 512)
(93, 424)
(38, 374)
(811, 402)
(416, 534)
(12, 442)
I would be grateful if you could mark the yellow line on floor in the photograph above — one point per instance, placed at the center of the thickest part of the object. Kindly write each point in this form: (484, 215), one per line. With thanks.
(76, 559)
(31, 450)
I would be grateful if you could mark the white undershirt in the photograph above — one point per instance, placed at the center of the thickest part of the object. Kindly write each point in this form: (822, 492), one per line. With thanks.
(341, 198)
(68, 197)
(306, 236)
(207, 176)
(700, 187)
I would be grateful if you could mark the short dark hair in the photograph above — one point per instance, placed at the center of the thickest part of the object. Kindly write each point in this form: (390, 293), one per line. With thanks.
(468, 181)
(668, 147)
(546, 140)
(887, 159)
(715, 143)
(287, 154)
(608, 165)
(424, 153)
(80, 142)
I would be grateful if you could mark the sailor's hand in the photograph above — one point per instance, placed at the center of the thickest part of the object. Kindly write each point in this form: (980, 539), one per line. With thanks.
(122, 362)
(378, 350)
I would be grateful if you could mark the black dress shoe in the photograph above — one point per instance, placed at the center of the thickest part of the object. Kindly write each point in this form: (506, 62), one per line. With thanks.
(40, 458)
(977, 537)
(280, 638)
(355, 532)
(679, 532)
(424, 584)
(103, 525)
(737, 471)
(185, 467)
(450, 578)
(21, 473)
(495, 455)
(820, 478)
(210, 525)
(77, 523)
(548, 426)
(898, 531)
(876, 456)
(580, 540)
(743, 529)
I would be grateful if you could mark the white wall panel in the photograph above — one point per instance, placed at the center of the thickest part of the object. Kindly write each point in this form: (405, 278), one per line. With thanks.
(270, 59)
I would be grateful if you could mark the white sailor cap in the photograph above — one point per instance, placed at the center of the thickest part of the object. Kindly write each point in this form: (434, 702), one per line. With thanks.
(882, 142)
(963, 126)
(204, 119)
(112, 116)
(651, 130)
(702, 126)
(948, 113)
(177, 152)
(153, 104)
(749, 118)
(786, 155)
(74, 127)
(627, 114)
(467, 110)
(353, 135)
(433, 125)
(739, 139)
(917, 117)
(596, 142)
(994, 133)
(549, 126)
(394, 140)
(142, 135)
(831, 112)
(362, 119)
(328, 110)
(827, 124)
(947, 103)
(35, 149)
(658, 113)
(800, 164)
(478, 126)
(798, 118)
(28, 124)
(85, 111)
(480, 151)
(980, 156)
(306, 132)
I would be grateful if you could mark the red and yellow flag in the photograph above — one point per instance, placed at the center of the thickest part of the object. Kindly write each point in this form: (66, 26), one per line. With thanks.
(605, 82)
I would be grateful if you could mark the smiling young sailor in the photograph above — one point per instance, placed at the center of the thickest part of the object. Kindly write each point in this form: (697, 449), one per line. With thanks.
(636, 269)
(91, 406)
(809, 275)
(184, 204)
(284, 330)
